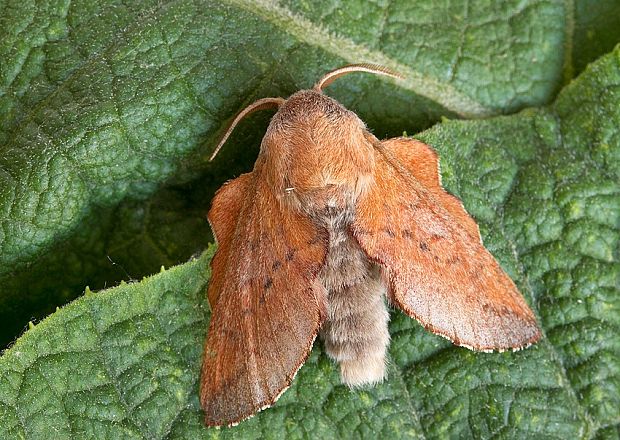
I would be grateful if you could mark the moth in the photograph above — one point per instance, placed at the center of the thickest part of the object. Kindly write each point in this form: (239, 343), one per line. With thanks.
(329, 224)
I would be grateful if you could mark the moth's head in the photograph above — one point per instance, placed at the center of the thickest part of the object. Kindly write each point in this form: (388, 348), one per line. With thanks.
(309, 112)
(309, 122)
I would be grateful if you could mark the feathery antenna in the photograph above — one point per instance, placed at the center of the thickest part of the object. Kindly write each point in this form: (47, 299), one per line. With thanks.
(261, 104)
(368, 68)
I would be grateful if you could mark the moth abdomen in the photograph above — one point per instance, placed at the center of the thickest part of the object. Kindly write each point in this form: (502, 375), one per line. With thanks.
(355, 331)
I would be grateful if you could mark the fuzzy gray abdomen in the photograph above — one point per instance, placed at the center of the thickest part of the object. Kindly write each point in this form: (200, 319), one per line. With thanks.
(356, 329)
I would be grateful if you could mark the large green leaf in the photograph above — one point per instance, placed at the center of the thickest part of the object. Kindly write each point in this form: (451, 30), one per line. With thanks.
(107, 109)
(544, 185)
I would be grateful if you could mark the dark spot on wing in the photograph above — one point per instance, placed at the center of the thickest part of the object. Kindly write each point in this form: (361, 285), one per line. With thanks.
(407, 234)
(276, 265)
(290, 254)
(424, 246)
(268, 283)
(389, 233)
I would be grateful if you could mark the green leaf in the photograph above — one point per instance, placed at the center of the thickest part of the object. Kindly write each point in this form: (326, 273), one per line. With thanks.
(108, 108)
(115, 364)
(544, 185)
(596, 24)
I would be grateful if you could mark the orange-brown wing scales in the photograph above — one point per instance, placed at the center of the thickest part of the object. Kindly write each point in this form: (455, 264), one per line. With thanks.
(269, 306)
(423, 163)
(439, 272)
(223, 215)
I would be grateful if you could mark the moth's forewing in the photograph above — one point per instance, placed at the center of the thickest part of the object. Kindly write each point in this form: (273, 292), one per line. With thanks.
(267, 305)
(223, 218)
(422, 162)
(439, 271)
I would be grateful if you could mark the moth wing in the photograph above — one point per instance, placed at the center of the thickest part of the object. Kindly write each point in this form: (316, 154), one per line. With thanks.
(267, 304)
(423, 163)
(439, 271)
(225, 210)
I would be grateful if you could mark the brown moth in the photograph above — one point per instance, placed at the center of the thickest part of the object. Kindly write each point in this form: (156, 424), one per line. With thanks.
(329, 223)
